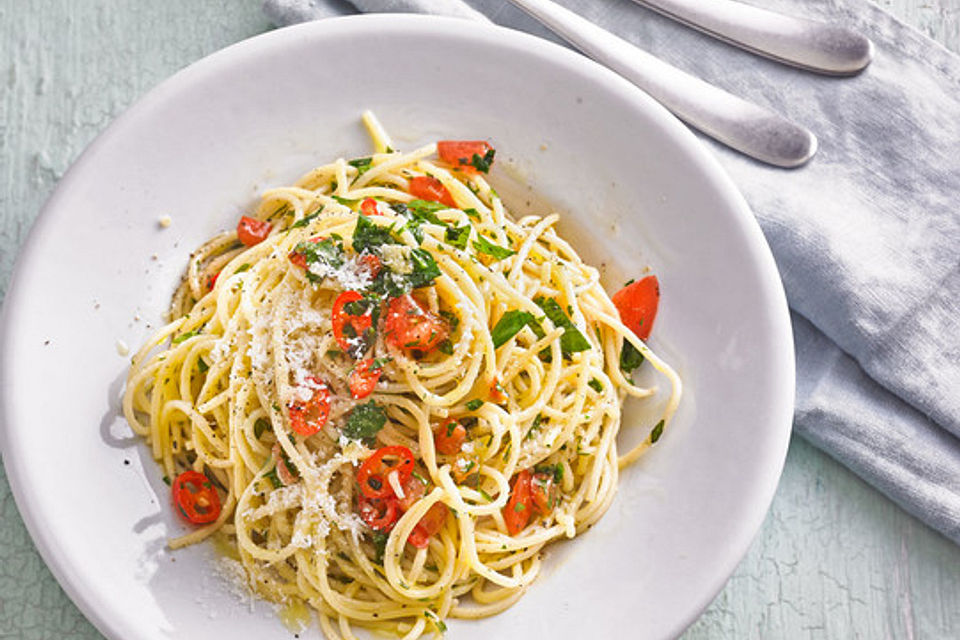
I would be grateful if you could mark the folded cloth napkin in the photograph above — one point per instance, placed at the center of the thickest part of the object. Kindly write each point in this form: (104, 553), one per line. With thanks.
(866, 236)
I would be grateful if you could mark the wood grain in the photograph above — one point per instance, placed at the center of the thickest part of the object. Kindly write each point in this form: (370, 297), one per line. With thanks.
(835, 559)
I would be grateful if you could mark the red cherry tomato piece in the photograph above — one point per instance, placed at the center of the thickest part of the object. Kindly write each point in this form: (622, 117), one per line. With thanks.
(347, 328)
(409, 326)
(637, 303)
(543, 492)
(431, 523)
(369, 207)
(372, 264)
(413, 490)
(364, 378)
(306, 418)
(429, 188)
(372, 476)
(460, 153)
(196, 498)
(449, 437)
(516, 514)
(251, 231)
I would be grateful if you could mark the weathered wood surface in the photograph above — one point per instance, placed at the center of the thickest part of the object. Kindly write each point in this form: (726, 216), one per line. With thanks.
(834, 559)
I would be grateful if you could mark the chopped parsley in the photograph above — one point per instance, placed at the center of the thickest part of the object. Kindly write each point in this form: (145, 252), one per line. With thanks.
(656, 433)
(362, 165)
(261, 425)
(365, 421)
(572, 341)
(347, 202)
(379, 540)
(445, 347)
(484, 246)
(305, 220)
(327, 252)
(482, 163)
(453, 320)
(370, 235)
(535, 427)
(244, 267)
(202, 366)
(185, 336)
(630, 357)
(596, 385)
(472, 213)
(474, 404)
(458, 236)
(556, 470)
(435, 619)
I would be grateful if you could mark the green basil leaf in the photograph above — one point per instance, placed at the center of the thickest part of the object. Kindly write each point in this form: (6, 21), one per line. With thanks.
(572, 341)
(365, 421)
(370, 235)
(510, 325)
(458, 236)
(482, 245)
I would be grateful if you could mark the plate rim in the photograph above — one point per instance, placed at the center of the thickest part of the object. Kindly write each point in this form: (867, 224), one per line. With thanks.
(76, 585)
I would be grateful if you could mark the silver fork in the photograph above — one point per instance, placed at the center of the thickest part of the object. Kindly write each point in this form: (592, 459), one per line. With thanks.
(753, 130)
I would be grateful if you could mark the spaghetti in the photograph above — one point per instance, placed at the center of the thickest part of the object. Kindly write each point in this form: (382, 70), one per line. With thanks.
(387, 395)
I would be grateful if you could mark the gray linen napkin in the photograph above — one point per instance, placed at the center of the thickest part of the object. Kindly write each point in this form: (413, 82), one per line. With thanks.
(867, 236)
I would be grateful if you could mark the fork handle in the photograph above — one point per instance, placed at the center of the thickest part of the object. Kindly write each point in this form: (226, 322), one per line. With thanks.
(799, 42)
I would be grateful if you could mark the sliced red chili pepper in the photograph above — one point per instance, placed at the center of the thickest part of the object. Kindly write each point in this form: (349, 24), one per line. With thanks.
(516, 514)
(306, 418)
(369, 207)
(431, 523)
(372, 476)
(251, 231)
(345, 322)
(449, 437)
(429, 188)
(409, 326)
(196, 498)
(379, 514)
(460, 153)
(212, 280)
(637, 303)
(364, 378)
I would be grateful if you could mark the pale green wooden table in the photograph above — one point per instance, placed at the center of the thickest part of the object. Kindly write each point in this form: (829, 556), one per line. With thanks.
(835, 559)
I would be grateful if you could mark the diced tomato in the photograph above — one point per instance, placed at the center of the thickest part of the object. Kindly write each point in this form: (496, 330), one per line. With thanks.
(449, 437)
(348, 327)
(379, 514)
(409, 326)
(306, 418)
(196, 498)
(516, 514)
(466, 470)
(430, 524)
(369, 207)
(372, 264)
(429, 188)
(543, 492)
(372, 476)
(637, 303)
(251, 231)
(364, 378)
(413, 490)
(460, 153)
(497, 394)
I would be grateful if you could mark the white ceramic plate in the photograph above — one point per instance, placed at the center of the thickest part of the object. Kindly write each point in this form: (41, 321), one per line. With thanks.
(637, 189)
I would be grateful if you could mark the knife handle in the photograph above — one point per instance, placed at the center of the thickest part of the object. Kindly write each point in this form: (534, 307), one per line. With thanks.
(800, 42)
(751, 129)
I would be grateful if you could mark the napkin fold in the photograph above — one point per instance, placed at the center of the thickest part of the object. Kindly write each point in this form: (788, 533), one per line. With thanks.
(866, 236)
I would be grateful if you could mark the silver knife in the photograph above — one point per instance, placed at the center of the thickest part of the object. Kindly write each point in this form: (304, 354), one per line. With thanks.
(750, 129)
(800, 42)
